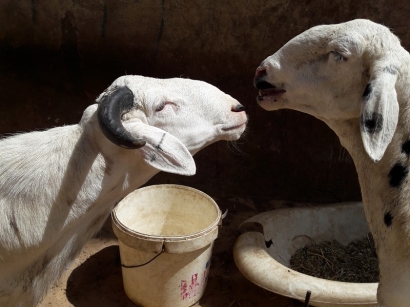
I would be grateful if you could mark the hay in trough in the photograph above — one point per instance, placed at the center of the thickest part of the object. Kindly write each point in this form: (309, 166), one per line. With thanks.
(356, 262)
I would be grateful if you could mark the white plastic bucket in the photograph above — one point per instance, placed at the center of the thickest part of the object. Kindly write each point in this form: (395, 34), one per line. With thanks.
(166, 234)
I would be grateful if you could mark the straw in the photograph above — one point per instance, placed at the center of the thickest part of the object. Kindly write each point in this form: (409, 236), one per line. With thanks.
(356, 262)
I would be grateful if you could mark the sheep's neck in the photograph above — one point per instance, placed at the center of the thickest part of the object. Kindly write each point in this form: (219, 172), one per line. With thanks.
(386, 207)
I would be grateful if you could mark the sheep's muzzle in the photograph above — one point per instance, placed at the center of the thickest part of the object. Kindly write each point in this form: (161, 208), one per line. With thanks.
(267, 90)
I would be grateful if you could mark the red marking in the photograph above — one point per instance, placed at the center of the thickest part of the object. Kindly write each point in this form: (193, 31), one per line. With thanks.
(184, 290)
(194, 288)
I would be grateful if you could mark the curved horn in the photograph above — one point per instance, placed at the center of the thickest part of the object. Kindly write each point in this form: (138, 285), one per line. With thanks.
(110, 109)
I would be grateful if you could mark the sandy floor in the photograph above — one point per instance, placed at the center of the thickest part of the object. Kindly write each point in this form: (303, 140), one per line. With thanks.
(94, 279)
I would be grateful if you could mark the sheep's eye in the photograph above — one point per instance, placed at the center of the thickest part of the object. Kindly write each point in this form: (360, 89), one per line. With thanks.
(337, 56)
(160, 107)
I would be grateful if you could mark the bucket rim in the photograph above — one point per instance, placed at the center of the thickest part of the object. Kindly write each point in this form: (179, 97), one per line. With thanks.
(148, 237)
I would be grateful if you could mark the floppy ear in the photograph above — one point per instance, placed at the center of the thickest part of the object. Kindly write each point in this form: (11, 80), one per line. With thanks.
(162, 150)
(380, 112)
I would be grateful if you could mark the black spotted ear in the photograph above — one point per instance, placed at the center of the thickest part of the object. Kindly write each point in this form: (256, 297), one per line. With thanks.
(379, 113)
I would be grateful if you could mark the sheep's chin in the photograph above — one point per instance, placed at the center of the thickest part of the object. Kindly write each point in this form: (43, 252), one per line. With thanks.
(233, 133)
(271, 102)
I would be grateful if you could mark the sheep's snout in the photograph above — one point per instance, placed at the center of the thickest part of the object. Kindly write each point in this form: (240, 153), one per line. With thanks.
(235, 125)
(259, 81)
(260, 72)
(266, 89)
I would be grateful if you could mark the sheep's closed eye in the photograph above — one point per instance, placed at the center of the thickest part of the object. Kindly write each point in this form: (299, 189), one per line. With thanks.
(162, 106)
(337, 56)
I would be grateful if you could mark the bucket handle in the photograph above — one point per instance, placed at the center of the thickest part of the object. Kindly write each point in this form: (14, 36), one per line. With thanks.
(139, 265)
(222, 217)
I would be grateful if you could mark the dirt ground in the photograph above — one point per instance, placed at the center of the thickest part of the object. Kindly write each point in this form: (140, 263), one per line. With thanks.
(94, 279)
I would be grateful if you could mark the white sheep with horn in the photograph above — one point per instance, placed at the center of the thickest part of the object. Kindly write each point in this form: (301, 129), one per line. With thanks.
(57, 187)
(354, 76)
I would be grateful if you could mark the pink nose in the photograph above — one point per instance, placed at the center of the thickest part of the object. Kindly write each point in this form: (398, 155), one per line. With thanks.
(260, 72)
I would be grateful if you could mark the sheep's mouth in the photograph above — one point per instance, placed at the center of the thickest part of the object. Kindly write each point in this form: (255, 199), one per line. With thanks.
(273, 93)
(235, 127)
(268, 91)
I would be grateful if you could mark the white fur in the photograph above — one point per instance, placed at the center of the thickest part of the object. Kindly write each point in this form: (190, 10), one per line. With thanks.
(57, 187)
(325, 71)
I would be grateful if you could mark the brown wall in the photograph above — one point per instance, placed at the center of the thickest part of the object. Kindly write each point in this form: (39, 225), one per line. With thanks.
(56, 56)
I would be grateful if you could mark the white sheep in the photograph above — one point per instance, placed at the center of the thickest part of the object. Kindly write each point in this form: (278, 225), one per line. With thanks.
(354, 76)
(57, 187)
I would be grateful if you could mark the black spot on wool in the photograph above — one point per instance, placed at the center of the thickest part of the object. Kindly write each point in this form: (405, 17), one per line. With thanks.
(406, 148)
(388, 219)
(372, 122)
(367, 91)
(14, 226)
(397, 174)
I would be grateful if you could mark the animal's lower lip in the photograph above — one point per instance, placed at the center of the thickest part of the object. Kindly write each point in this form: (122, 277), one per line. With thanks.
(271, 93)
(234, 127)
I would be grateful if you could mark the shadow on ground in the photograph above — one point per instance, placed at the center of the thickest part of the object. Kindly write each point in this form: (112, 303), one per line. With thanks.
(98, 281)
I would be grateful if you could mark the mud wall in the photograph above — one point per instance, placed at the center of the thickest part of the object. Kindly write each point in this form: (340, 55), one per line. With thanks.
(56, 56)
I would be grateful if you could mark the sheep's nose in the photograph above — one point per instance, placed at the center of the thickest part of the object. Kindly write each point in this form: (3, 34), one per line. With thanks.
(260, 72)
(238, 108)
(259, 81)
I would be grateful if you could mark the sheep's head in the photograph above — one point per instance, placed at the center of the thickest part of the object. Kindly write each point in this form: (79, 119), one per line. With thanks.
(338, 72)
(168, 120)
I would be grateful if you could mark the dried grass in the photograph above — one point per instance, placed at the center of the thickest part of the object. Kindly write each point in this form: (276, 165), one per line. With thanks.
(356, 262)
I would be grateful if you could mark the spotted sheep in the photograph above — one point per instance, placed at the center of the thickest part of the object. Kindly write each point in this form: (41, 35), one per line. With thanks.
(57, 187)
(354, 76)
